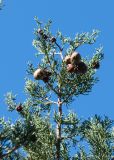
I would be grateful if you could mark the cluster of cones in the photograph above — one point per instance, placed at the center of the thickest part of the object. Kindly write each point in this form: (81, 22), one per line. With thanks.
(73, 61)
(75, 64)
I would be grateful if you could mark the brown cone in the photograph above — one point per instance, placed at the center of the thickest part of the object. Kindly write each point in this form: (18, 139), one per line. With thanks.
(70, 68)
(46, 79)
(38, 74)
(75, 58)
(67, 59)
(81, 68)
(46, 75)
(95, 65)
(19, 108)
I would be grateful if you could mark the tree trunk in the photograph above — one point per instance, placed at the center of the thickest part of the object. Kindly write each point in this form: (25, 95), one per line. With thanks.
(58, 131)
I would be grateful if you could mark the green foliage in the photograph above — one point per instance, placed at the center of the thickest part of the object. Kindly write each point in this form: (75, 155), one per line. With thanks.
(97, 132)
(44, 131)
(40, 146)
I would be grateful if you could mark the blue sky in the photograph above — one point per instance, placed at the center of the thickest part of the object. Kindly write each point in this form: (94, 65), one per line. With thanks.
(16, 35)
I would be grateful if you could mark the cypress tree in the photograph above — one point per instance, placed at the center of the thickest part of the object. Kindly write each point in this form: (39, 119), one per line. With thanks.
(46, 129)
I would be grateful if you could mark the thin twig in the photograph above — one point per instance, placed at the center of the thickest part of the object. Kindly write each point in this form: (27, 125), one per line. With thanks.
(61, 49)
(58, 128)
(50, 101)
